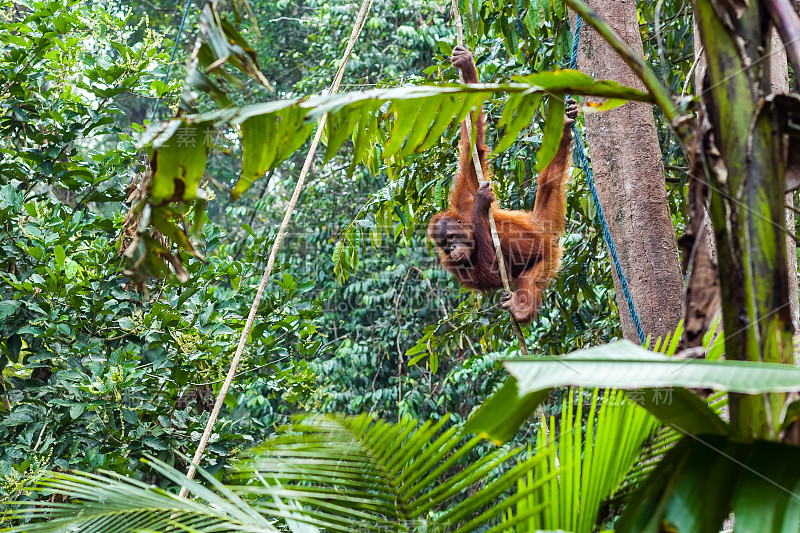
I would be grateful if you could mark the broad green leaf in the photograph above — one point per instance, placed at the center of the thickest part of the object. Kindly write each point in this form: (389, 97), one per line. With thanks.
(363, 138)
(339, 127)
(8, 308)
(179, 162)
(427, 114)
(198, 217)
(259, 146)
(576, 82)
(283, 134)
(294, 118)
(611, 103)
(526, 107)
(553, 132)
(385, 217)
(186, 294)
(627, 366)
(71, 269)
(77, 410)
(405, 113)
(10, 198)
(681, 409)
(508, 109)
(337, 259)
(60, 256)
(532, 18)
(767, 496)
(375, 237)
(705, 477)
(688, 491)
(451, 105)
(560, 82)
(294, 133)
(13, 346)
(541, 6)
(500, 417)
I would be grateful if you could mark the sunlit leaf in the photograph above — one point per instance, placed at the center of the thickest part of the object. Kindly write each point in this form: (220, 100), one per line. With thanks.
(179, 162)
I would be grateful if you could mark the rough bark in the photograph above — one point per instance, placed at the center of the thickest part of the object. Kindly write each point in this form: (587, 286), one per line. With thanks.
(629, 172)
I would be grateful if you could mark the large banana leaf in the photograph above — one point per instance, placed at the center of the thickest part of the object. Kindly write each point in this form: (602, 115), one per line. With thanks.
(340, 474)
(627, 366)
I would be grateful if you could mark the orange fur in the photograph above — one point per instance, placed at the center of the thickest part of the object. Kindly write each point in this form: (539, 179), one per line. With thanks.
(529, 239)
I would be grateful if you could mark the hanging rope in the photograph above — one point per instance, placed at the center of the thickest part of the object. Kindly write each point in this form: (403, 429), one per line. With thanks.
(582, 162)
(172, 56)
(479, 172)
(198, 456)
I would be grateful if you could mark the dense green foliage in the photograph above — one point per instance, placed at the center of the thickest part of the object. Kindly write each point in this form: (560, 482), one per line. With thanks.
(99, 371)
(96, 372)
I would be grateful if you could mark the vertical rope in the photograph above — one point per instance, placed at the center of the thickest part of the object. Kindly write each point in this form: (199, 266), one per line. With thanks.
(172, 56)
(581, 161)
(498, 251)
(359, 24)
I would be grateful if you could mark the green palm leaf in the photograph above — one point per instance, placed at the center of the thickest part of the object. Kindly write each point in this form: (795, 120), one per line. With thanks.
(107, 502)
(592, 465)
(356, 473)
(336, 473)
(272, 131)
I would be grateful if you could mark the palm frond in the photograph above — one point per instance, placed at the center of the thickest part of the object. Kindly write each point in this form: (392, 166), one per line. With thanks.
(107, 502)
(592, 466)
(356, 473)
(322, 471)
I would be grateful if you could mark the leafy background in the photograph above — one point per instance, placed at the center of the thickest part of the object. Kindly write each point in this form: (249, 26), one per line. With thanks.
(100, 373)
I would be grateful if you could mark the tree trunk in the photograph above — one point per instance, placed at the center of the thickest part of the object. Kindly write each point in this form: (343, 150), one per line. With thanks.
(629, 173)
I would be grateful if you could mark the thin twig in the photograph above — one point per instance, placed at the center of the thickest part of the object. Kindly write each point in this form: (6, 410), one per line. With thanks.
(691, 70)
(435, 294)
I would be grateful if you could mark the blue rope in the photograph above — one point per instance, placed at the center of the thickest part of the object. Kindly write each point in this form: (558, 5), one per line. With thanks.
(172, 56)
(581, 161)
